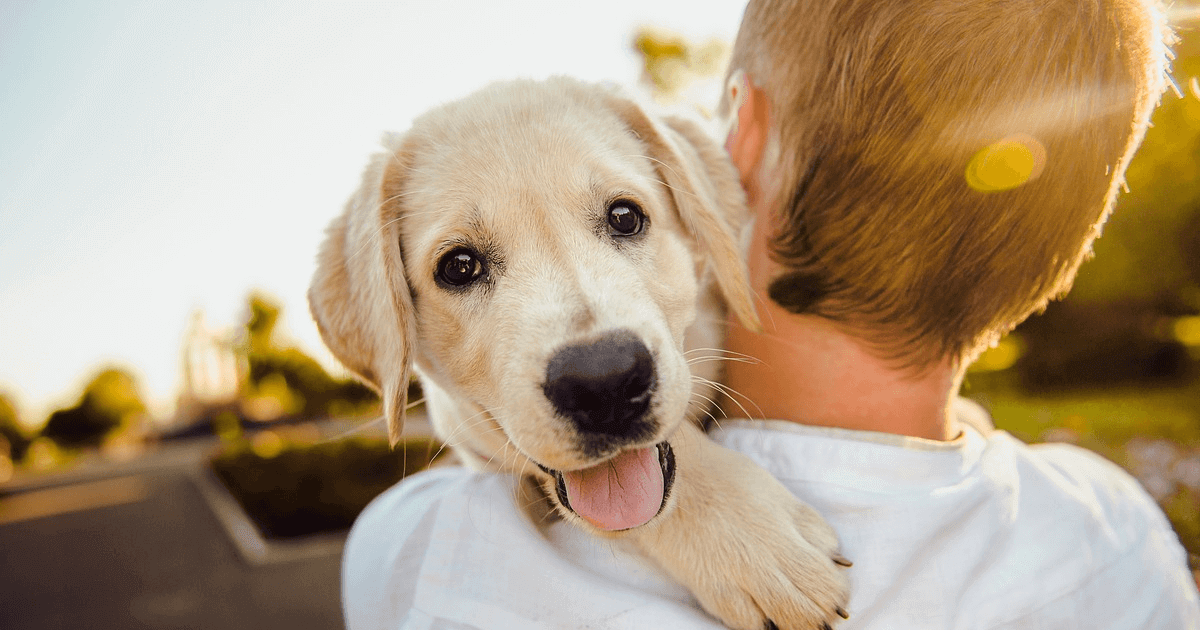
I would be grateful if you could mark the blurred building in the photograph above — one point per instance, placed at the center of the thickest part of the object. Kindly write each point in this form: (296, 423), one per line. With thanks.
(213, 370)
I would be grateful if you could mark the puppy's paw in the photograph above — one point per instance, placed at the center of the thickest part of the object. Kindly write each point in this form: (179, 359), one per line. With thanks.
(752, 554)
(784, 576)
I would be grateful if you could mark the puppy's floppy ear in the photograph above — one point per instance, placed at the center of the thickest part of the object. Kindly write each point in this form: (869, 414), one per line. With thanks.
(706, 191)
(359, 296)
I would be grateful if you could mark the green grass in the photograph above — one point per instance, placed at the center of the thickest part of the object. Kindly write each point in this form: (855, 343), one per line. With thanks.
(1112, 417)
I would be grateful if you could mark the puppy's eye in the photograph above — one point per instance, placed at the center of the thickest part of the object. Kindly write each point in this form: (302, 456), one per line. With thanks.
(460, 267)
(625, 218)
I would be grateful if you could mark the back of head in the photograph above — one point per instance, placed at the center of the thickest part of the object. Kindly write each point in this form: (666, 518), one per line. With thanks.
(941, 167)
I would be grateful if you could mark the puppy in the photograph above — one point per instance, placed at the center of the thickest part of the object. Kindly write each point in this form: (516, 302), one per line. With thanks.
(543, 256)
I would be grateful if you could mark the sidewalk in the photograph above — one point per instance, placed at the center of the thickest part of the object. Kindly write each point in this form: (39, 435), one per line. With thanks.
(135, 544)
(157, 560)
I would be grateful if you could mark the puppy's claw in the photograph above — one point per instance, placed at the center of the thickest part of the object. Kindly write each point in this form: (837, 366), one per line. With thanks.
(770, 625)
(825, 626)
(840, 559)
(842, 612)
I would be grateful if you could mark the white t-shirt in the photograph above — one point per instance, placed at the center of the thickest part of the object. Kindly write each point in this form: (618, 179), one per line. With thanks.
(980, 532)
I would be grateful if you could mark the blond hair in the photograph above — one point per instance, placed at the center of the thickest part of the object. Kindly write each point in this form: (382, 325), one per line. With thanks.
(943, 166)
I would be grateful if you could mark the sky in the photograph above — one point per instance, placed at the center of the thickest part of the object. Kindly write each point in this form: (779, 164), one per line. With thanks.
(158, 158)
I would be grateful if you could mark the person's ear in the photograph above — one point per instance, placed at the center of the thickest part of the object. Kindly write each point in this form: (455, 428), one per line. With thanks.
(747, 137)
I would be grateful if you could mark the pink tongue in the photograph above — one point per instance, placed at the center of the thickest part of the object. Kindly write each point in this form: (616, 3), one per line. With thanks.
(623, 492)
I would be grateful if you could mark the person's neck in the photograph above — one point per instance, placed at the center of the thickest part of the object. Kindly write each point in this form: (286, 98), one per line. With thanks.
(807, 370)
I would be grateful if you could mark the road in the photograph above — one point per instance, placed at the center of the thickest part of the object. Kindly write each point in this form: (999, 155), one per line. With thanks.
(135, 545)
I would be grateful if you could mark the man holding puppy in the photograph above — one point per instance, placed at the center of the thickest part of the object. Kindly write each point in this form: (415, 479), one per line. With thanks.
(923, 176)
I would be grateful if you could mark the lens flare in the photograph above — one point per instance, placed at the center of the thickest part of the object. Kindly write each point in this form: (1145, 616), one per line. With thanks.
(1187, 330)
(1006, 164)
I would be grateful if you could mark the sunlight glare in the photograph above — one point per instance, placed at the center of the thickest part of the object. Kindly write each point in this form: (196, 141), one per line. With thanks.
(1187, 330)
(1006, 164)
(1001, 356)
(1183, 14)
(267, 444)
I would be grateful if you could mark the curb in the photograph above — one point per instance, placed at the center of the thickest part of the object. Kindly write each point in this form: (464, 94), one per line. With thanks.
(252, 546)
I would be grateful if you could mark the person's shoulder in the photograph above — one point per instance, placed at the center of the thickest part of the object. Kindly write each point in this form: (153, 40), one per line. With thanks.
(1083, 484)
(1100, 544)
(410, 509)
(1064, 473)
(387, 547)
(427, 489)
(451, 548)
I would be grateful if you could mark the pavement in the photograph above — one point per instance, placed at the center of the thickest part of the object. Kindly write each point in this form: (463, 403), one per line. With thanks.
(140, 544)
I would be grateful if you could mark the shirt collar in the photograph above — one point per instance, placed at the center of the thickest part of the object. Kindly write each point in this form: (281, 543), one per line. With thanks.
(863, 459)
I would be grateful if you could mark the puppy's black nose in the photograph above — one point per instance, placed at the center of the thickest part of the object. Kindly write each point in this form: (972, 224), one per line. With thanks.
(604, 387)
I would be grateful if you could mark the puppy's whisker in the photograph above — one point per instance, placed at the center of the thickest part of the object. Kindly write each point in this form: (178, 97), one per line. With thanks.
(504, 454)
(441, 449)
(528, 506)
(508, 455)
(710, 359)
(370, 241)
(723, 388)
(548, 515)
(711, 416)
(678, 191)
(409, 214)
(464, 433)
(782, 340)
(733, 396)
(395, 197)
(723, 351)
(359, 428)
(468, 427)
(464, 437)
(712, 404)
(710, 401)
(367, 424)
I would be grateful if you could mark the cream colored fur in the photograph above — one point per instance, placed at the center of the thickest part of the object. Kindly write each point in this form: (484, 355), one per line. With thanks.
(524, 171)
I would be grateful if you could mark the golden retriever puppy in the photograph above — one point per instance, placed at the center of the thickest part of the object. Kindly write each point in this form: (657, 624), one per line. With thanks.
(544, 255)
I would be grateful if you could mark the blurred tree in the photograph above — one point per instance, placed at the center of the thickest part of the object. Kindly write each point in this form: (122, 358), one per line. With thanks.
(109, 401)
(671, 64)
(11, 431)
(260, 325)
(1147, 249)
(284, 381)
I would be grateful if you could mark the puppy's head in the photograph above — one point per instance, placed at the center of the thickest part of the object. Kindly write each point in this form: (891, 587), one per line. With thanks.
(536, 251)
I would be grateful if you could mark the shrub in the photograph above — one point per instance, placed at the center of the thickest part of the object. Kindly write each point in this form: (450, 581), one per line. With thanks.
(302, 490)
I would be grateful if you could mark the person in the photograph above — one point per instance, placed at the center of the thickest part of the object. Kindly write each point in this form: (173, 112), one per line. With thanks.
(923, 175)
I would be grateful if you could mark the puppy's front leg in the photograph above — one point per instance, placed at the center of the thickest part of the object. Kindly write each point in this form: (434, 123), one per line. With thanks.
(750, 552)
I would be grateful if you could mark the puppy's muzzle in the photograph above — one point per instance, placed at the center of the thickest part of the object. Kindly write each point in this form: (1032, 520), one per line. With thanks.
(604, 387)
